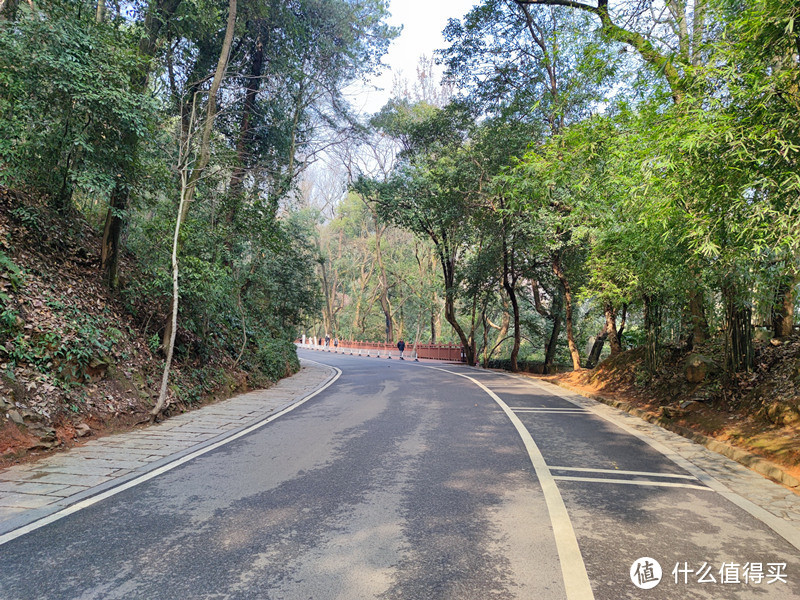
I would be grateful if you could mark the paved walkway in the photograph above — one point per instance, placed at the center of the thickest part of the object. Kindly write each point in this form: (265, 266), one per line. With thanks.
(31, 491)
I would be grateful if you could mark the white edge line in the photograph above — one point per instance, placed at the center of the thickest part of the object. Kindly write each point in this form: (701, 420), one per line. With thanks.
(523, 408)
(573, 569)
(25, 529)
(553, 412)
(632, 482)
(621, 472)
(549, 409)
(789, 533)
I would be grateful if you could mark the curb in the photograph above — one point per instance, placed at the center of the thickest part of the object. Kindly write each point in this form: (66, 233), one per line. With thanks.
(748, 459)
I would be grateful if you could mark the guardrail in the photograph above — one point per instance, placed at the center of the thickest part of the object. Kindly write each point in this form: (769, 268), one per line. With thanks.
(448, 352)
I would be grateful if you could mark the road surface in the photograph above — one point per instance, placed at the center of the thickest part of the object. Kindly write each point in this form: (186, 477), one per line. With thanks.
(420, 481)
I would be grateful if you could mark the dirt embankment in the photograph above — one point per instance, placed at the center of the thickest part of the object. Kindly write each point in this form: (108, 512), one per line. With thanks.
(77, 361)
(757, 411)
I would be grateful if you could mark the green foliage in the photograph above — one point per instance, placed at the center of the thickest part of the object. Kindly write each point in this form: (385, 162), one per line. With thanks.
(276, 358)
(26, 216)
(676, 204)
(66, 98)
(12, 277)
(548, 80)
(66, 353)
(10, 272)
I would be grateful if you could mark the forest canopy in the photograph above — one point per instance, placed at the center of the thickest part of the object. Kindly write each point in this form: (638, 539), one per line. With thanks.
(590, 176)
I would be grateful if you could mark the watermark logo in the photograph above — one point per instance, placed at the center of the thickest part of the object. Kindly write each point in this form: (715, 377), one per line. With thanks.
(645, 573)
(731, 572)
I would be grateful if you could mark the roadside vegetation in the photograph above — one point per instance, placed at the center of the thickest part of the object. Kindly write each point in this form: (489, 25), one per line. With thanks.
(595, 180)
(592, 182)
(156, 247)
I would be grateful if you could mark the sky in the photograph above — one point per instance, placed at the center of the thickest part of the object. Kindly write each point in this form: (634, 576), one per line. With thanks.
(423, 22)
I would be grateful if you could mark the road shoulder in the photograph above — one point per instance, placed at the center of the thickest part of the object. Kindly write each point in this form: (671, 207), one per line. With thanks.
(781, 503)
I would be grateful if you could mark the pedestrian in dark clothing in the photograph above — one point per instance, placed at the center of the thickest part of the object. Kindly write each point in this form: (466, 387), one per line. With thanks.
(401, 345)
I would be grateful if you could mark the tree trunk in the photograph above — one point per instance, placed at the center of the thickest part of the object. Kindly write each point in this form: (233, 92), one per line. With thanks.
(484, 352)
(158, 13)
(188, 185)
(611, 328)
(162, 394)
(565, 286)
(211, 108)
(597, 347)
(512, 296)
(623, 321)
(448, 268)
(552, 344)
(509, 283)
(384, 282)
(652, 326)
(450, 317)
(698, 324)
(502, 329)
(738, 332)
(100, 15)
(698, 315)
(328, 290)
(112, 235)
(243, 143)
(783, 308)
(436, 317)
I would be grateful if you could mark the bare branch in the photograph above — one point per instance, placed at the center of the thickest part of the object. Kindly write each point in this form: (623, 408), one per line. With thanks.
(615, 32)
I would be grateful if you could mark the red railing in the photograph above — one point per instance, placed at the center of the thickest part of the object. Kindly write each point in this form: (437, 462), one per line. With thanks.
(448, 352)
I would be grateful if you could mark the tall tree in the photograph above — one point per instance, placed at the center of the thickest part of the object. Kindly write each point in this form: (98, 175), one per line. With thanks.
(157, 14)
(191, 168)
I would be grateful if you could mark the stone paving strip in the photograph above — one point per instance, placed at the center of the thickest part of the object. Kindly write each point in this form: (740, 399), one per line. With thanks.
(31, 491)
(780, 501)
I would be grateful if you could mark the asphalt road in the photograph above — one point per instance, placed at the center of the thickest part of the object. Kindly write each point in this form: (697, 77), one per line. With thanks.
(412, 481)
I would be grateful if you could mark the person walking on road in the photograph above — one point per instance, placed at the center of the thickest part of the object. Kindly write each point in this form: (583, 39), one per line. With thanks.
(401, 345)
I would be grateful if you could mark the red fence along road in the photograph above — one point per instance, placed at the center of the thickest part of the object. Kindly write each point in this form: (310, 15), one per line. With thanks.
(448, 352)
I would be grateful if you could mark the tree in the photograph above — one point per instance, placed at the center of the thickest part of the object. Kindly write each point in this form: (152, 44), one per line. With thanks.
(434, 190)
(525, 65)
(67, 100)
(672, 46)
(191, 166)
(157, 14)
(528, 64)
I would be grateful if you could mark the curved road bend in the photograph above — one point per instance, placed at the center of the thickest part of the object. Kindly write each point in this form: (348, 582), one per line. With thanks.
(412, 481)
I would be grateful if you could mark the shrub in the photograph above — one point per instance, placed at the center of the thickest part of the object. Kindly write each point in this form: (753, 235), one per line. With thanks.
(277, 358)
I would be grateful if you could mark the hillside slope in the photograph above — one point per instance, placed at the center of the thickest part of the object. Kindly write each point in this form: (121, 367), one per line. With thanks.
(75, 361)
